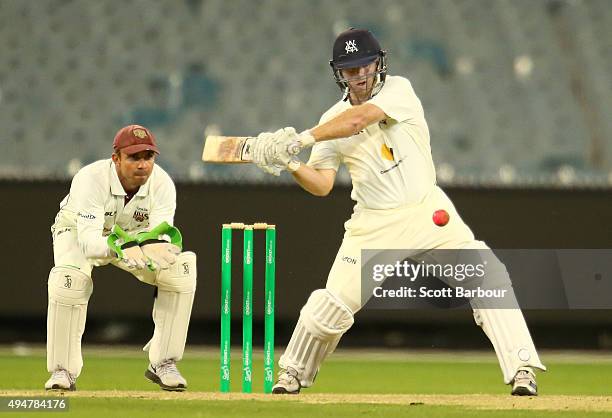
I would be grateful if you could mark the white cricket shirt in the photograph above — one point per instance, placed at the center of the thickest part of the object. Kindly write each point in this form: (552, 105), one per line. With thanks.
(96, 203)
(390, 162)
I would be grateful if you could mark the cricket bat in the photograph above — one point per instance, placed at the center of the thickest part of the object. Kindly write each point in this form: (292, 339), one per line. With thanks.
(228, 149)
(234, 149)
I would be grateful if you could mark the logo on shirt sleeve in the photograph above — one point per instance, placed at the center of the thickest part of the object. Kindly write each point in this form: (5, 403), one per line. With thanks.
(86, 216)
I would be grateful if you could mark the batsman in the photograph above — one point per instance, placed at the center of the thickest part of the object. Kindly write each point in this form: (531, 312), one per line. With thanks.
(120, 211)
(378, 130)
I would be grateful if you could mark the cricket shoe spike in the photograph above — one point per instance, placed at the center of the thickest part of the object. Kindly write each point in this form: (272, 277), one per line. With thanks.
(524, 383)
(61, 380)
(287, 383)
(167, 376)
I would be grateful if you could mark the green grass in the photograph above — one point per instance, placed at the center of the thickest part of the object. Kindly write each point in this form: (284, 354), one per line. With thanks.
(146, 408)
(457, 378)
(340, 376)
(366, 374)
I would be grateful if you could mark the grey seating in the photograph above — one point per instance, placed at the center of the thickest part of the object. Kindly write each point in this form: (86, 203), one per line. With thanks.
(506, 99)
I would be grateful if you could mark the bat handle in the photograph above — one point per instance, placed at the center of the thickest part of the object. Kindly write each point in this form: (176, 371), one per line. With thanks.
(294, 149)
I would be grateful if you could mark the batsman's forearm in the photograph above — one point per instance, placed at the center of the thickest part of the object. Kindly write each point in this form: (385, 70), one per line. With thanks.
(312, 181)
(348, 123)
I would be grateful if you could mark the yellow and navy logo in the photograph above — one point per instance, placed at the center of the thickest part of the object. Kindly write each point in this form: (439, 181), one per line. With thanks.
(140, 133)
(387, 153)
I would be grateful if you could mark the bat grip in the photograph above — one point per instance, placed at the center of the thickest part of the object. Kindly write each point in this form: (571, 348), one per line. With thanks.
(294, 149)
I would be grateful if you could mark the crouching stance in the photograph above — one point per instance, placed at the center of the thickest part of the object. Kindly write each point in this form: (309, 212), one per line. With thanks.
(120, 211)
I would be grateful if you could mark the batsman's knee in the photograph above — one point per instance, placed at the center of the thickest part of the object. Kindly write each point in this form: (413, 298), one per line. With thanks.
(181, 276)
(325, 315)
(69, 286)
(323, 320)
(496, 274)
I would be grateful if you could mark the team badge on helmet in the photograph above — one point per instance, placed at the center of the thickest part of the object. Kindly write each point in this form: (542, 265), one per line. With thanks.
(350, 46)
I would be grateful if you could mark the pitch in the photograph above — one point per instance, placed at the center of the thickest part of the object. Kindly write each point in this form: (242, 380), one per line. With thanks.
(352, 383)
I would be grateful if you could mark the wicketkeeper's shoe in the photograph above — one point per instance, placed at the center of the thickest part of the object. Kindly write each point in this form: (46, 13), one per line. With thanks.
(524, 383)
(61, 380)
(167, 376)
(287, 383)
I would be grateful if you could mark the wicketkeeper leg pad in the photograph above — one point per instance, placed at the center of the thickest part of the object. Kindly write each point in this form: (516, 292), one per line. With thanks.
(323, 321)
(172, 309)
(69, 291)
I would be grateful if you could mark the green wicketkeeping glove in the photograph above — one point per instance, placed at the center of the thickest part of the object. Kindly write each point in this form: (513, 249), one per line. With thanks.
(127, 249)
(160, 253)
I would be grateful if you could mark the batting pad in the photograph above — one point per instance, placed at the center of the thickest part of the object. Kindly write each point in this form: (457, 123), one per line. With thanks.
(507, 330)
(69, 291)
(323, 321)
(172, 309)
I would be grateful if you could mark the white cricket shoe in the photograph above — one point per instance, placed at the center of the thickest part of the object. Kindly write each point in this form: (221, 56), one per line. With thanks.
(61, 380)
(287, 383)
(524, 383)
(167, 376)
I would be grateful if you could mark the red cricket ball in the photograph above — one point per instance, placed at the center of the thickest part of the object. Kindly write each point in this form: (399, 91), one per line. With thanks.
(440, 217)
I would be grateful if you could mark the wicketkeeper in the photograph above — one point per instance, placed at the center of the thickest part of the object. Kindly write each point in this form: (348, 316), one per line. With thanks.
(120, 211)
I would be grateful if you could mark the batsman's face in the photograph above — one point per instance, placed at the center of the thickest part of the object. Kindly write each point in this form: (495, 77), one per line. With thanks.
(361, 81)
(134, 169)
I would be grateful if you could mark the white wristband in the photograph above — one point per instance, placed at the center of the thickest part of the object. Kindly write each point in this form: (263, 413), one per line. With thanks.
(306, 139)
(293, 165)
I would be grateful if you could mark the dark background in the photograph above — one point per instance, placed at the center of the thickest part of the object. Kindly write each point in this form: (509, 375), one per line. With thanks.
(309, 233)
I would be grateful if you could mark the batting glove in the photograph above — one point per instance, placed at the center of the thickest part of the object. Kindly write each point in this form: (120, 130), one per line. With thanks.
(260, 145)
(262, 149)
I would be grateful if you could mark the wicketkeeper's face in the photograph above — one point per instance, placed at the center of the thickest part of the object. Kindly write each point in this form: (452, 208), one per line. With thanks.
(134, 169)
